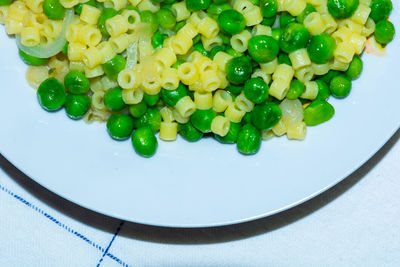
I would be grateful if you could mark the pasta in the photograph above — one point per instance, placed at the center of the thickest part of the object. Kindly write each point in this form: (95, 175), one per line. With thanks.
(90, 14)
(220, 125)
(180, 11)
(116, 25)
(234, 113)
(314, 23)
(168, 131)
(311, 90)
(169, 79)
(299, 59)
(240, 41)
(167, 114)
(281, 81)
(203, 100)
(221, 101)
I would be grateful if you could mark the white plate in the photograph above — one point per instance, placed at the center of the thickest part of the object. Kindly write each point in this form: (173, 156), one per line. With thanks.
(200, 184)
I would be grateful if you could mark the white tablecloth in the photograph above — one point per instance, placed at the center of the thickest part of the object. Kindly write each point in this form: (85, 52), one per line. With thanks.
(357, 223)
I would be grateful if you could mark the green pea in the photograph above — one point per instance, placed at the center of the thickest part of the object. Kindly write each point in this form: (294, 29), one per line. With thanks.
(144, 142)
(51, 94)
(170, 1)
(342, 9)
(276, 34)
(238, 70)
(285, 19)
(283, 58)
(78, 7)
(197, 39)
(234, 89)
(76, 82)
(231, 136)
(171, 97)
(321, 48)
(53, 9)
(384, 32)
(166, 18)
(196, 5)
(296, 89)
(167, 6)
(294, 36)
(323, 90)
(263, 48)
(248, 140)
(113, 100)
(254, 64)
(190, 93)
(31, 60)
(120, 126)
(157, 39)
(229, 50)
(268, 21)
(114, 66)
(100, 5)
(304, 101)
(355, 68)
(219, 1)
(147, 16)
(266, 116)
(246, 118)
(189, 132)
(231, 21)
(215, 9)
(317, 112)
(215, 50)
(105, 14)
(65, 49)
(137, 110)
(179, 26)
(130, 19)
(255, 2)
(380, 9)
(201, 119)
(329, 76)
(160, 104)
(151, 100)
(340, 86)
(76, 105)
(308, 10)
(151, 118)
(178, 62)
(256, 90)
(269, 8)
(200, 48)
(5, 2)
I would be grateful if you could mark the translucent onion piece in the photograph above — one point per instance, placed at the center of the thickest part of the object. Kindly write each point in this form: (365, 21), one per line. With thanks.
(53, 48)
(169, 33)
(292, 112)
(132, 55)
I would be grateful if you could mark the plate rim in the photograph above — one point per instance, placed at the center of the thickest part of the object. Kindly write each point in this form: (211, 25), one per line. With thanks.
(365, 159)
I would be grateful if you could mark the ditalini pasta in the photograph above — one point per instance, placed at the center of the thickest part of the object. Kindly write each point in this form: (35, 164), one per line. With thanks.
(194, 67)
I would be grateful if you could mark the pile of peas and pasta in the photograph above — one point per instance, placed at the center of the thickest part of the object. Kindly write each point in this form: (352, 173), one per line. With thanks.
(238, 70)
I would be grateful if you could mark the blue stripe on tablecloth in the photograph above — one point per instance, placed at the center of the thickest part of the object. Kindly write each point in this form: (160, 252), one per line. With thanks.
(69, 229)
(109, 245)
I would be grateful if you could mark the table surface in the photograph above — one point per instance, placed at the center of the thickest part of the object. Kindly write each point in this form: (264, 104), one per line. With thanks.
(355, 223)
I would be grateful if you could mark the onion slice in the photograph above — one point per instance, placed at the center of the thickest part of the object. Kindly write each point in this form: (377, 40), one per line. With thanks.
(169, 33)
(53, 48)
(132, 55)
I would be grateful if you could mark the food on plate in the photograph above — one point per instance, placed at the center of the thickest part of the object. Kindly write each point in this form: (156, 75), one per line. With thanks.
(239, 70)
